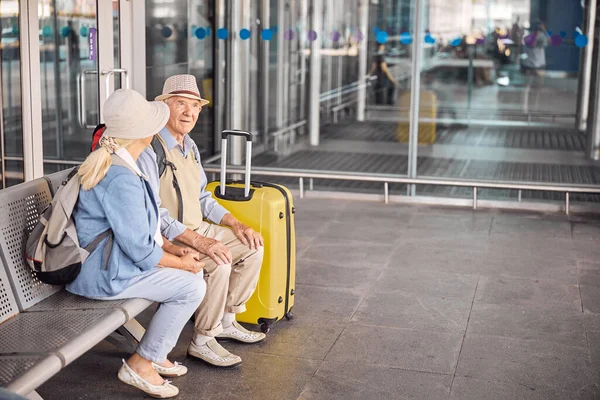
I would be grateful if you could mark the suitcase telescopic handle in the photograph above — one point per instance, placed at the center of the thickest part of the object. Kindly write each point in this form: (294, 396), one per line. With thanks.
(224, 136)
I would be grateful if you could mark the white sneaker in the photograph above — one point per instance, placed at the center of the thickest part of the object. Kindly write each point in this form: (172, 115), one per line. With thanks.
(240, 334)
(214, 354)
(130, 377)
(171, 372)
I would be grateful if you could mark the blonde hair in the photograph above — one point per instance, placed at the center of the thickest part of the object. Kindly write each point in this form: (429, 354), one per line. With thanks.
(96, 165)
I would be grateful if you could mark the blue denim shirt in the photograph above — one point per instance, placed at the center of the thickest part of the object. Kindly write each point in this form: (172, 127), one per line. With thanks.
(211, 210)
(125, 203)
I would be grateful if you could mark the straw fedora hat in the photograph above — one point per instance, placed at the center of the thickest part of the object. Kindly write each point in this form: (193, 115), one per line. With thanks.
(128, 115)
(182, 85)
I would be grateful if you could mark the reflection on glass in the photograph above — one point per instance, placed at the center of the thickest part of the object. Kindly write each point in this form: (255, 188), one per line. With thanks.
(65, 29)
(179, 40)
(501, 77)
(12, 127)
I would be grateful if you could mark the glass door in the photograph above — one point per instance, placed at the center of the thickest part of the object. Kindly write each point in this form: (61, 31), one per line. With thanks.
(72, 89)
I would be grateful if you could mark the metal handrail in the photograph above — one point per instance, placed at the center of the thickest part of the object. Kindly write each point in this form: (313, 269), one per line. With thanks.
(289, 128)
(480, 110)
(349, 88)
(386, 179)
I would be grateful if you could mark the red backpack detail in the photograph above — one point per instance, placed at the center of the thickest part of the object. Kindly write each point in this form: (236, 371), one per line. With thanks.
(98, 131)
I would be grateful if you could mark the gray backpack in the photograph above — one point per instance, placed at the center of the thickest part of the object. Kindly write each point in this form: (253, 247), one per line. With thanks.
(52, 249)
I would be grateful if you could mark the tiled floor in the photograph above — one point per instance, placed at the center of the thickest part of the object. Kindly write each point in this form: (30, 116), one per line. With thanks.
(399, 302)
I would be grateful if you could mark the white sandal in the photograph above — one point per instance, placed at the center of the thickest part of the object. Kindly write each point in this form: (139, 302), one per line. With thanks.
(130, 377)
(171, 372)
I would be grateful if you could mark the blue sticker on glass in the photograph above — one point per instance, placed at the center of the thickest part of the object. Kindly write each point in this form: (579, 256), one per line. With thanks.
(456, 42)
(65, 31)
(266, 34)
(47, 30)
(83, 31)
(166, 31)
(381, 37)
(200, 33)
(581, 41)
(222, 33)
(406, 38)
(429, 39)
(244, 34)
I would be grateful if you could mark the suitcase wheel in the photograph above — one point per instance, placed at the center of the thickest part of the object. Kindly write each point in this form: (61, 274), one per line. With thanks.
(289, 316)
(265, 324)
(265, 328)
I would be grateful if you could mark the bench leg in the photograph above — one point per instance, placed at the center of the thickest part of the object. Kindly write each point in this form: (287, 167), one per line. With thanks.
(134, 328)
(34, 396)
(127, 337)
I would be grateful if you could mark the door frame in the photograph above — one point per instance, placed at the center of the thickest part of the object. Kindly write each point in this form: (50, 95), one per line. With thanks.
(132, 58)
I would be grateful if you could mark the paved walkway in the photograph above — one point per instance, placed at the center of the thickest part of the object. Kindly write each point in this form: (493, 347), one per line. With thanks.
(400, 302)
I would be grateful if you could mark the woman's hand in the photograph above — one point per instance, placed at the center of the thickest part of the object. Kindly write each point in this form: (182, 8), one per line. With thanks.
(190, 261)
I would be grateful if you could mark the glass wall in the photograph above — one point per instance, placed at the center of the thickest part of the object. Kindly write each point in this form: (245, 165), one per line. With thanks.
(180, 39)
(502, 77)
(497, 97)
(11, 162)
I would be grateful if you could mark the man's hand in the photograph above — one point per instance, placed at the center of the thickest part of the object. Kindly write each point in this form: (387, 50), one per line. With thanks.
(216, 250)
(248, 236)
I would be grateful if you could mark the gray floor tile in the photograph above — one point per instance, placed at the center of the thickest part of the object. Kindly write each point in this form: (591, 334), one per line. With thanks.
(319, 273)
(261, 376)
(302, 243)
(403, 348)
(92, 376)
(447, 255)
(587, 250)
(586, 231)
(556, 269)
(473, 223)
(299, 338)
(528, 292)
(528, 322)
(589, 273)
(326, 304)
(590, 297)
(347, 381)
(427, 283)
(349, 253)
(591, 321)
(536, 248)
(478, 389)
(594, 340)
(528, 226)
(414, 312)
(536, 364)
(380, 231)
(378, 210)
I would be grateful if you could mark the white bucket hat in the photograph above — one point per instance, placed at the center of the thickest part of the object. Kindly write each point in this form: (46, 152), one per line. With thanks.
(128, 115)
(182, 85)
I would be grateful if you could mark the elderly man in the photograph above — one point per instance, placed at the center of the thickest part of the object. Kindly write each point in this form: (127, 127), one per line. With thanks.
(233, 253)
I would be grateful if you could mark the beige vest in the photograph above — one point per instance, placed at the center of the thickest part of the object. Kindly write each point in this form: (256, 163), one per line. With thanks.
(188, 177)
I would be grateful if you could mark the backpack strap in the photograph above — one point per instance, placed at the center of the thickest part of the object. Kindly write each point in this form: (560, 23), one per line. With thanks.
(163, 163)
(107, 249)
(161, 156)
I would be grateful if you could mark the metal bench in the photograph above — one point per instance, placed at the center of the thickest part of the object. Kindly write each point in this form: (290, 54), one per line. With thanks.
(44, 328)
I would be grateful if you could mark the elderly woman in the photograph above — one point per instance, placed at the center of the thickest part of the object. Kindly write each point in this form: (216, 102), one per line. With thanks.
(133, 260)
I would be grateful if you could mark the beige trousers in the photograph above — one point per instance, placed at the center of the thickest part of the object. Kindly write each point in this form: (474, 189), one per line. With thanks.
(229, 286)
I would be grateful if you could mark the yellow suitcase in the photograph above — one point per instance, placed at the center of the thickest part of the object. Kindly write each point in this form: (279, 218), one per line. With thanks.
(427, 109)
(269, 209)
